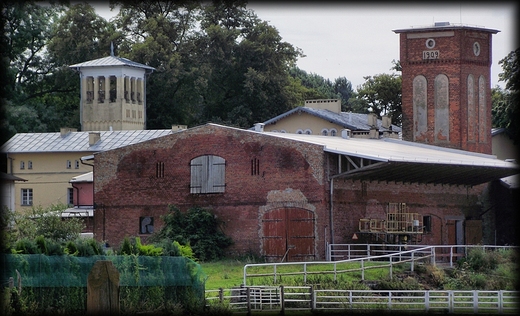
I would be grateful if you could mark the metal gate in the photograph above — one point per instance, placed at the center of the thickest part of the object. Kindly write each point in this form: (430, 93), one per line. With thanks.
(288, 235)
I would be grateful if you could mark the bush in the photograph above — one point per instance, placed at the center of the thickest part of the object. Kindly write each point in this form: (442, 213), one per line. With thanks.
(197, 228)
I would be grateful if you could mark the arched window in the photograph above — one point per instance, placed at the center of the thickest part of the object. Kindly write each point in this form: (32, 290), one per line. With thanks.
(299, 131)
(333, 132)
(325, 132)
(308, 132)
(208, 174)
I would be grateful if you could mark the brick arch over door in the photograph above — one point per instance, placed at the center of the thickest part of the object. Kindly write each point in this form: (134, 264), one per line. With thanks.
(288, 234)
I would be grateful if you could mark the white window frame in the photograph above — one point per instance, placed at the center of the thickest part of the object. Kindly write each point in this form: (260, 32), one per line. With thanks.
(70, 196)
(333, 132)
(69, 164)
(208, 174)
(308, 131)
(22, 165)
(26, 197)
(325, 132)
(76, 164)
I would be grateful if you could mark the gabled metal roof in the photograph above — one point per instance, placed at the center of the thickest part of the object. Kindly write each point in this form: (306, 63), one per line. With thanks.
(402, 161)
(77, 141)
(86, 177)
(111, 61)
(352, 121)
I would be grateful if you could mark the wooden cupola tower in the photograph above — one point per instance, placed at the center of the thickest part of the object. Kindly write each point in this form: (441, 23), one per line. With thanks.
(446, 85)
(113, 94)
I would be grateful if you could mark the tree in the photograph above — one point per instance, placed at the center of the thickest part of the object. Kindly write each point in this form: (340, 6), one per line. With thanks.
(382, 95)
(45, 222)
(506, 104)
(43, 93)
(247, 65)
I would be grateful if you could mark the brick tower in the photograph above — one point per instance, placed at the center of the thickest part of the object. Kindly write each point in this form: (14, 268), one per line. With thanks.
(446, 85)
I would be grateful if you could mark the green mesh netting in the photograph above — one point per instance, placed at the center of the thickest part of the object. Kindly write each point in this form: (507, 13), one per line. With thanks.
(71, 271)
(59, 283)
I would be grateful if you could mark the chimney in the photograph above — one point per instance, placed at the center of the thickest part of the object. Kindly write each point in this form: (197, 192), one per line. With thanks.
(259, 127)
(345, 133)
(372, 119)
(333, 105)
(64, 131)
(373, 133)
(176, 128)
(386, 121)
(93, 138)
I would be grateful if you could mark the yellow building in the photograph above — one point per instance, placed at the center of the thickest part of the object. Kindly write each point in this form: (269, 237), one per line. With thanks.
(112, 113)
(48, 161)
(324, 117)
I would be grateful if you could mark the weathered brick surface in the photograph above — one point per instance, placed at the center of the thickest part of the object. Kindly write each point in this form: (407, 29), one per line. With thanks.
(128, 187)
(456, 61)
(292, 174)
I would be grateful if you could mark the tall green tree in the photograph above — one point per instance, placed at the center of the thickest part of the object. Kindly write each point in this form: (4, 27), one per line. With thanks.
(381, 94)
(28, 27)
(506, 103)
(248, 66)
(163, 34)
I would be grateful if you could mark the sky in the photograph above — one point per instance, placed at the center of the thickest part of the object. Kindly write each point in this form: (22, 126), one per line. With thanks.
(354, 40)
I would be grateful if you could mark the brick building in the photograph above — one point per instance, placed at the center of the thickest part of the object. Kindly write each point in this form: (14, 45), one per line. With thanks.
(281, 194)
(446, 85)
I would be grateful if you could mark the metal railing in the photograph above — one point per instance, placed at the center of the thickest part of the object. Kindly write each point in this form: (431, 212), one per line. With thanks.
(359, 258)
(439, 253)
(284, 298)
(334, 268)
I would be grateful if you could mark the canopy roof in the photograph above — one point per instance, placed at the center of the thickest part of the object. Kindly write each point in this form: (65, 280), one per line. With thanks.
(395, 160)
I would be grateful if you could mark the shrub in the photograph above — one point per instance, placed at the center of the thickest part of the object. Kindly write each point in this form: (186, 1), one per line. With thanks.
(197, 228)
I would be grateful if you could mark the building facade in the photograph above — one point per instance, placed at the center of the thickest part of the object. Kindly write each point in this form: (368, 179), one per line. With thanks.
(289, 195)
(446, 85)
(324, 117)
(48, 161)
(113, 94)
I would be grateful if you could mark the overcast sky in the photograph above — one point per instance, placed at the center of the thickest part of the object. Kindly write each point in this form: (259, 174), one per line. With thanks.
(355, 40)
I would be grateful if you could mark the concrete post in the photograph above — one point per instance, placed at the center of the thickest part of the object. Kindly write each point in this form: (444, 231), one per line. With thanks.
(103, 289)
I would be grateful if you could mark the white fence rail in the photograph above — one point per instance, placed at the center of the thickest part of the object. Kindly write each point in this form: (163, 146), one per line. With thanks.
(439, 253)
(359, 258)
(283, 298)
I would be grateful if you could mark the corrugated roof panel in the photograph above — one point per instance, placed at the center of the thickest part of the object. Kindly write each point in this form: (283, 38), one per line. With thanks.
(76, 141)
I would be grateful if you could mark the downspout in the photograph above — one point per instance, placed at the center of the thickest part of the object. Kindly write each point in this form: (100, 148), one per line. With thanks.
(77, 195)
(331, 212)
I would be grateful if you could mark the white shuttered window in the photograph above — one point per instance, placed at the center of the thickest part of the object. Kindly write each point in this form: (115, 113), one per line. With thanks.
(208, 174)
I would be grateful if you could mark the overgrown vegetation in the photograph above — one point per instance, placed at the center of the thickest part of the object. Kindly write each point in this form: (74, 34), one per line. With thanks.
(480, 270)
(197, 228)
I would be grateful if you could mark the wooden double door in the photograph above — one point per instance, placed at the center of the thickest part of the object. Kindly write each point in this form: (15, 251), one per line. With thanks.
(288, 235)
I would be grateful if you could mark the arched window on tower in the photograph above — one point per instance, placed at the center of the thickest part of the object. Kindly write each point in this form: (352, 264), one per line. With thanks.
(139, 90)
(90, 89)
(420, 114)
(101, 89)
(132, 89)
(442, 108)
(113, 88)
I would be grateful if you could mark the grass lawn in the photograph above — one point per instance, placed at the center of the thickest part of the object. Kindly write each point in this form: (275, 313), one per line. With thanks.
(223, 274)
(230, 273)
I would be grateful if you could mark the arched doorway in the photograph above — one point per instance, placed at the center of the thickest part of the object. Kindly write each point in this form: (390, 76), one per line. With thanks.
(288, 235)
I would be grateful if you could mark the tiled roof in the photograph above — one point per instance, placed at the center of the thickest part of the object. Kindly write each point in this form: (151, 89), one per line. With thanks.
(352, 121)
(111, 61)
(77, 141)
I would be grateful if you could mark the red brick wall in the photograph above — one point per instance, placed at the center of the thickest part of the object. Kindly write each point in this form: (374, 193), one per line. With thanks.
(126, 186)
(456, 61)
(292, 174)
(441, 202)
